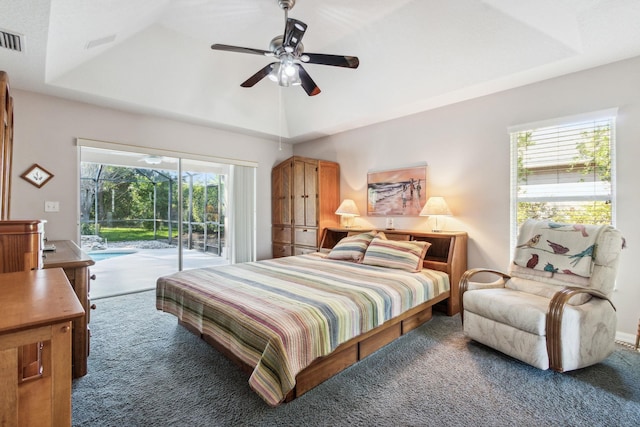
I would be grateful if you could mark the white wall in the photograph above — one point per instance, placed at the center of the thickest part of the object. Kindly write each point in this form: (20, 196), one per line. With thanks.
(45, 132)
(466, 146)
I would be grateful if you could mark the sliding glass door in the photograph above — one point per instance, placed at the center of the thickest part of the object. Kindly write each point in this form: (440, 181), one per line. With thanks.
(145, 215)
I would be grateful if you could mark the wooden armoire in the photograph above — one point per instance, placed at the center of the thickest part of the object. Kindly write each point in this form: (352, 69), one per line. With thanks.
(305, 194)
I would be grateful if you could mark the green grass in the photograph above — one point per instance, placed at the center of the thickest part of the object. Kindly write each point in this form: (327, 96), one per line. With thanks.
(122, 234)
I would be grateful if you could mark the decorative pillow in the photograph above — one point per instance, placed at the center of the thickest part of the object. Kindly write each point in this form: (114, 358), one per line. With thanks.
(352, 248)
(403, 255)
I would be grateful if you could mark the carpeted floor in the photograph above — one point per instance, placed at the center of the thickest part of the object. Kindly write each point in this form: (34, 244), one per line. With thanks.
(145, 370)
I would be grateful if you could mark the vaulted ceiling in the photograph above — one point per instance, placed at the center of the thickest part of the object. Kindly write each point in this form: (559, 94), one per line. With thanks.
(154, 56)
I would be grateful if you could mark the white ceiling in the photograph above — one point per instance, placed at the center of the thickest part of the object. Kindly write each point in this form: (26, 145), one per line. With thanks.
(154, 56)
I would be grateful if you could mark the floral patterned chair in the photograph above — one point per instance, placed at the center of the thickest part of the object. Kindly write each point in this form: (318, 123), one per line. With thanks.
(552, 308)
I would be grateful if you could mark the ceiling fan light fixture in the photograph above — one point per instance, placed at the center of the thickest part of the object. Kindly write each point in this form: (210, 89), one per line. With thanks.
(295, 80)
(285, 73)
(275, 71)
(290, 70)
(285, 79)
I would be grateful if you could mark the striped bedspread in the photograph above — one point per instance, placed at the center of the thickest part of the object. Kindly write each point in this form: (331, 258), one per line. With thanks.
(279, 315)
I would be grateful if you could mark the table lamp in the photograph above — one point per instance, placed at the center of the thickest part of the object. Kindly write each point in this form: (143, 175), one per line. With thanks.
(437, 207)
(348, 210)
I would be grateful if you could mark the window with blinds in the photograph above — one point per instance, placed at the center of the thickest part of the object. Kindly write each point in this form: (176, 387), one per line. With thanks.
(564, 171)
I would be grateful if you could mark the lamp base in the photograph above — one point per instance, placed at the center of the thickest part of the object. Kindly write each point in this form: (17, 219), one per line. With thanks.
(438, 227)
(347, 221)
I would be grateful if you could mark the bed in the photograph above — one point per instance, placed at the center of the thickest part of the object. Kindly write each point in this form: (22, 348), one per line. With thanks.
(293, 322)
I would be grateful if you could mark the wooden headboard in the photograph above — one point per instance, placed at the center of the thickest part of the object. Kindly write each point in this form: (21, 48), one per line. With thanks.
(448, 253)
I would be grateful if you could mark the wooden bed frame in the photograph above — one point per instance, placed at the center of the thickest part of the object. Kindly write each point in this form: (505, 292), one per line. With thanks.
(448, 253)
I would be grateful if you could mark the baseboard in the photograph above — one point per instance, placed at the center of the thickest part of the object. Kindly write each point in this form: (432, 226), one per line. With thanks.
(624, 338)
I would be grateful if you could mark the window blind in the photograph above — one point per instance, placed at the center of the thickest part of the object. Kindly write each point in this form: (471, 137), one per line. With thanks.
(242, 236)
(564, 171)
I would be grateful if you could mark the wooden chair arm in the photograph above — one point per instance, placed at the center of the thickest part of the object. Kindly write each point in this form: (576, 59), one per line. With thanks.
(464, 283)
(554, 321)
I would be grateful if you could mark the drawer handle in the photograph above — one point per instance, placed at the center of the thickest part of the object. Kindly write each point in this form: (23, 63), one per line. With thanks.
(93, 307)
(92, 277)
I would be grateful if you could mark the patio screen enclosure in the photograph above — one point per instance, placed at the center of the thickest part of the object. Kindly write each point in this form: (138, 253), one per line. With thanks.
(144, 201)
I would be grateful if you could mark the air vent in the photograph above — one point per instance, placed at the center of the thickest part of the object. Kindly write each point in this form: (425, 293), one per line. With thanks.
(10, 41)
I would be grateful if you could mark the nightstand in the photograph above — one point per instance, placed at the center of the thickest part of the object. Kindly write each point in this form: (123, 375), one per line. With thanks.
(75, 263)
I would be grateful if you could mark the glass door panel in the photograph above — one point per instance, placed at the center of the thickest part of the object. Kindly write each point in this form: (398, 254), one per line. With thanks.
(204, 202)
(137, 224)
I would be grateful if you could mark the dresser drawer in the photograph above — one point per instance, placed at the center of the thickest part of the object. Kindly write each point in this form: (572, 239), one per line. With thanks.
(306, 237)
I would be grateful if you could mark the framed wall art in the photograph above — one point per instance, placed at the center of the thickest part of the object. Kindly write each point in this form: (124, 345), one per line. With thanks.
(397, 192)
(37, 175)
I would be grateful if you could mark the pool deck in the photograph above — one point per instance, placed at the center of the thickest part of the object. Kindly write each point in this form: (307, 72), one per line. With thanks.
(139, 271)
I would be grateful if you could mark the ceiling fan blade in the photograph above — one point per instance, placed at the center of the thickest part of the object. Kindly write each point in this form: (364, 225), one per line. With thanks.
(334, 60)
(264, 72)
(293, 33)
(238, 49)
(307, 82)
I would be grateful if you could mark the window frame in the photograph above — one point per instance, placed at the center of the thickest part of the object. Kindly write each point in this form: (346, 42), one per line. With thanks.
(606, 114)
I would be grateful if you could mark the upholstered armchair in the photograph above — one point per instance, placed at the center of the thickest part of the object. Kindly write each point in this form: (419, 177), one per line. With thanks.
(552, 308)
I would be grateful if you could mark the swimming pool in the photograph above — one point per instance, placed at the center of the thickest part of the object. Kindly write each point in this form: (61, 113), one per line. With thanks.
(109, 253)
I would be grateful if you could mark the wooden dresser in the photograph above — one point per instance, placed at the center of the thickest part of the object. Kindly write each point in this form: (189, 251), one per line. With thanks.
(75, 264)
(305, 196)
(38, 307)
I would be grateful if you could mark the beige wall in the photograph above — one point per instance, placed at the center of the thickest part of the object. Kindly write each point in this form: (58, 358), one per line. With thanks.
(45, 132)
(466, 146)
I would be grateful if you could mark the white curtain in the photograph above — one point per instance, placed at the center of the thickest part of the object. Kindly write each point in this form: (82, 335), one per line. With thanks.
(242, 215)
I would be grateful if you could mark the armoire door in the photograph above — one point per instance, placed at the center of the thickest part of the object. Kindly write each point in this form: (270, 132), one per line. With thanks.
(305, 186)
(281, 194)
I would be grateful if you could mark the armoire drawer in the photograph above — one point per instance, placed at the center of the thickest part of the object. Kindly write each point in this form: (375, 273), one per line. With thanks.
(281, 250)
(306, 237)
(281, 234)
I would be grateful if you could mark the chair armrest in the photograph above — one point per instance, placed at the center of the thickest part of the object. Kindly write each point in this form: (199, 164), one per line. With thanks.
(465, 283)
(554, 321)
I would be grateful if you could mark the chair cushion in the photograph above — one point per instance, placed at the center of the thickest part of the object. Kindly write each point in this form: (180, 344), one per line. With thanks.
(529, 348)
(558, 248)
(546, 290)
(521, 310)
(607, 255)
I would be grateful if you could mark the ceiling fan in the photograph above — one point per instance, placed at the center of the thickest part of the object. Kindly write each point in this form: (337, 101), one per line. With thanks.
(289, 51)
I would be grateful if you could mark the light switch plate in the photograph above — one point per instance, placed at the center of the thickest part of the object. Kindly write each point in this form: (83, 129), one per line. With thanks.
(50, 206)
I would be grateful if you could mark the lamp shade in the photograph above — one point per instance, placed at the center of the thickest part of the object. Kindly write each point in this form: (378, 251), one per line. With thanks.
(435, 206)
(348, 208)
